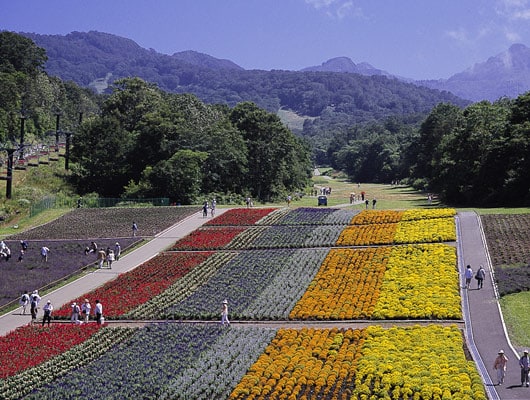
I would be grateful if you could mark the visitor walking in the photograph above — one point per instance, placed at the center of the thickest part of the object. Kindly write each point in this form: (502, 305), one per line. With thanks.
(85, 309)
(500, 366)
(134, 228)
(98, 312)
(75, 313)
(524, 363)
(110, 258)
(117, 251)
(24, 301)
(48, 309)
(468, 275)
(224, 313)
(102, 256)
(481, 274)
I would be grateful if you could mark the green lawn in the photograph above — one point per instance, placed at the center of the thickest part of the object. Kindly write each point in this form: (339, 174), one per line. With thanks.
(515, 313)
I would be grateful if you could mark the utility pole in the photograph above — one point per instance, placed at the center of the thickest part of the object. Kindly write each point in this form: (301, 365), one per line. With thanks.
(22, 121)
(58, 117)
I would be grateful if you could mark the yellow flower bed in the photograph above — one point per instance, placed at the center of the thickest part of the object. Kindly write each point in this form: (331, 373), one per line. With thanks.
(420, 281)
(300, 363)
(369, 217)
(416, 363)
(416, 214)
(425, 231)
(346, 286)
(367, 235)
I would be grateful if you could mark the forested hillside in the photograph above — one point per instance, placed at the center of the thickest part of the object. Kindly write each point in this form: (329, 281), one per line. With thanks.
(331, 101)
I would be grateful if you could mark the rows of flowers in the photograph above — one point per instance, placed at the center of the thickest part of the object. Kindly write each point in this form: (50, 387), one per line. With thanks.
(240, 217)
(367, 235)
(304, 363)
(310, 216)
(210, 238)
(258, 284)
(31, 345)
(166, 361)
(346, 286)
(77, 356)
(421, 281)
(415, 363)
(426, 231)
(136, 287)
(368, 217)
(278, 236)
(205, 361)
(156, 307)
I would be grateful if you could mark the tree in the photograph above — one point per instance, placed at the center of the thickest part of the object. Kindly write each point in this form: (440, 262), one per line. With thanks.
(20, 54)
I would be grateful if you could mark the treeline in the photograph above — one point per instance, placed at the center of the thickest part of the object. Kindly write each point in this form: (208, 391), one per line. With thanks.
(150, 143)
(473, 156)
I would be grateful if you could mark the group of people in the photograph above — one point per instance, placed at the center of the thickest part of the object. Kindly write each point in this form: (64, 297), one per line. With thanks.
(5, 251)
(32, 300)
(479, 276)
(104, 256)
(501, 362)
(209, 206)
(81, 313)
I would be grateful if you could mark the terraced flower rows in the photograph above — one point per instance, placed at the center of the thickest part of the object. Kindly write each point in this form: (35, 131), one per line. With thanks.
(280, 282)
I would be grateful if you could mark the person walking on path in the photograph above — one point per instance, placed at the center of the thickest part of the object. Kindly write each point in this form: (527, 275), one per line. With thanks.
(24, 301)
(75, 313)
(212, 208)
(468, 275)
(98, 312)
(134, 228)
(481, 274)
(102, 256)
(117, 251)
(34, 305)
(48, 309)
(500, 366)
(85, 309)
(224, 313)
(110, 258)
(524, 363)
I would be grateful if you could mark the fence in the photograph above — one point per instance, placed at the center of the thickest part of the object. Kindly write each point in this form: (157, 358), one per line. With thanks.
(93, 202)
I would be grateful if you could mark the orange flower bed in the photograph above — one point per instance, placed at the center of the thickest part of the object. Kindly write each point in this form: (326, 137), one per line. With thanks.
(346, 286)
(316, 363)
(368, 217)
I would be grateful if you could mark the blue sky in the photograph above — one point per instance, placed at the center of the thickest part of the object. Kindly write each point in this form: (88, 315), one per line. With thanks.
(420, 39)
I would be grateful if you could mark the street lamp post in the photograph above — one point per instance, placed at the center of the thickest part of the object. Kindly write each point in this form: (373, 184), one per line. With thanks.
(58, 117)
(22, 122)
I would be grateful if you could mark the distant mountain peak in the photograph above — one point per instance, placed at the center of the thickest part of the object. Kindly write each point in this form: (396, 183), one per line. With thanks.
(345, 64)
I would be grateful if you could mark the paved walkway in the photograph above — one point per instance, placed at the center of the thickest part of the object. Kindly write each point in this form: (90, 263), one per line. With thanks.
(485, 329)
(92, 280)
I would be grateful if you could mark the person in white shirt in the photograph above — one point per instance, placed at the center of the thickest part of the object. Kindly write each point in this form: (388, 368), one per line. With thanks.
(98, 312)
(85, 309)
(48, 309)
(75, 313)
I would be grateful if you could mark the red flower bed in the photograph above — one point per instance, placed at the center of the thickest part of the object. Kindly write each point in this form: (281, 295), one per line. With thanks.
(208, 238)
(136, 287)
(31, 345)
(240, 216)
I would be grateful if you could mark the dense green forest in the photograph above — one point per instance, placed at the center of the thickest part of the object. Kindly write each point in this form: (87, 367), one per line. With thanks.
(142, 141)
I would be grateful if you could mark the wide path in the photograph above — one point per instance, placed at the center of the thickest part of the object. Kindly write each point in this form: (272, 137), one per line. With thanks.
(92, 280)
(485, 329)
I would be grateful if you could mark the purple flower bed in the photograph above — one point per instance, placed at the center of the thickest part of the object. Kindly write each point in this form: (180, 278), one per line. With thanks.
(65, 258)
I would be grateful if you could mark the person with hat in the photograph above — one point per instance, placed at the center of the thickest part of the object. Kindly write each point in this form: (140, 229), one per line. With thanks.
(500, 366)
(524, 363)
(85, 309)
(224, 313)
(117, 251)
(48, 308)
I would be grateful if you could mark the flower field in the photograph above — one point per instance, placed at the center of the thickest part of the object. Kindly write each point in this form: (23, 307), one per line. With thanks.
(293, 267)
